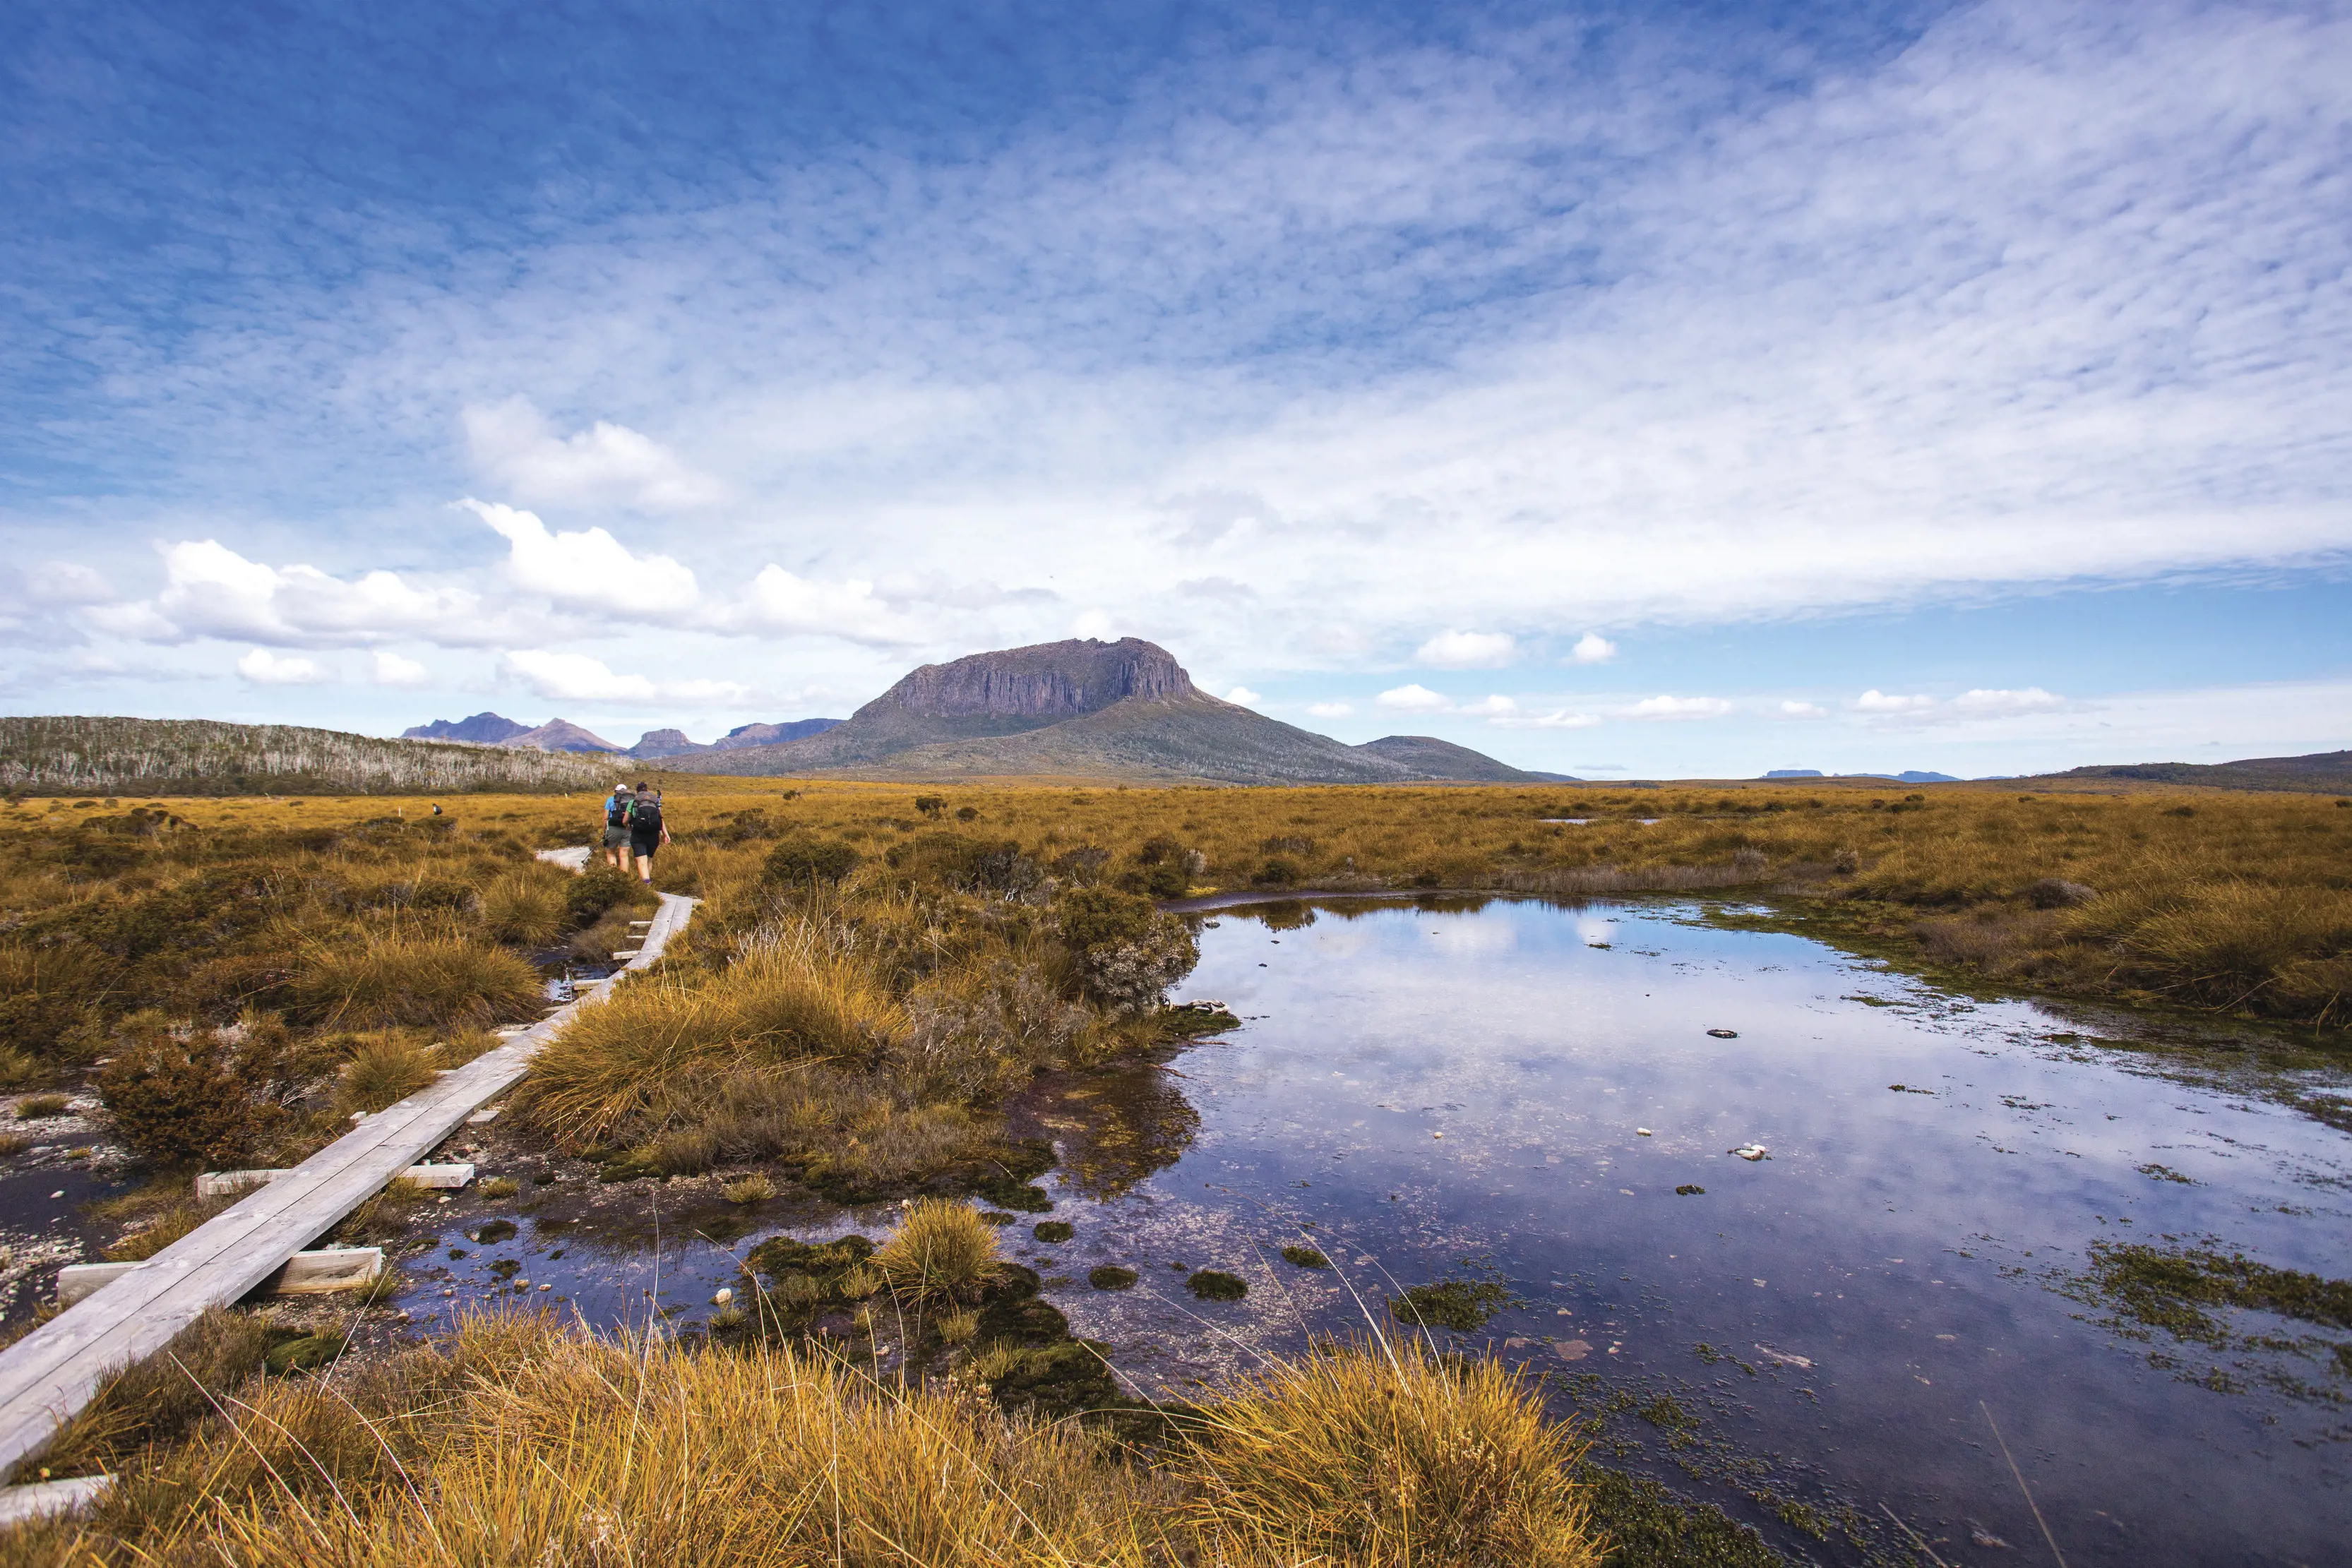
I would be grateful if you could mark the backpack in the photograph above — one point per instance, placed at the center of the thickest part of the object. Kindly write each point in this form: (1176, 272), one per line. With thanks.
(645, 817)
(616, 811)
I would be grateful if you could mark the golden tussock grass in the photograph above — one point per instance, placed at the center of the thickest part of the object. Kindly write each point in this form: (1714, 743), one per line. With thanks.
(519, 1443)
(941, 1252)
(398, 978)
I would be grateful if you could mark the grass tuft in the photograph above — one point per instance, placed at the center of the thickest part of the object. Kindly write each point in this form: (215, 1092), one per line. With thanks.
(944, 1252)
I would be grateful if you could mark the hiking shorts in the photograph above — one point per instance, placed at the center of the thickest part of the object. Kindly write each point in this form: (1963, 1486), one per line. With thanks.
(644, 848)
(615, 837)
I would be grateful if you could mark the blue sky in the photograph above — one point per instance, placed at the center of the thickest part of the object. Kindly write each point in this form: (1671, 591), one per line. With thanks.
(1687, 390)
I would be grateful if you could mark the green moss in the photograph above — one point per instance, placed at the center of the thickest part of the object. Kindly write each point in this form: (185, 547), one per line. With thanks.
(1053, 1230)
(1462, 1305)
(1665, 1413)
(2170, 1289)
(1648, 1527)
(1111, 1277)
(1690, 1189)
(2164, 1172)
(492, 1233)
(1216, 1285)
(1306, 1258)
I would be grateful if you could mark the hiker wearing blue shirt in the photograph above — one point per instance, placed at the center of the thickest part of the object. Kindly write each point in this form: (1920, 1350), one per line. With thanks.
(617, 827)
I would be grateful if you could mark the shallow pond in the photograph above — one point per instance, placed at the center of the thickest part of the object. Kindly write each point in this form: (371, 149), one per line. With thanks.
(1883, 1312)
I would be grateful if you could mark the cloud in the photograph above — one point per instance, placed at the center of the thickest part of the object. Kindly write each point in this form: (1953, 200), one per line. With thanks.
(1497, 706)
(1330, 710)
(1466, 651)
(210, 590)
(577, 677)
(781, 602)
(1592, 649)
(392, 670)
(1673, 707)
(1800, 710)
(263, 668)
(1983, 704)
(1244, 696)
(1413, 699)
(68, 582)
(1874, 701)
(513, 445)
(1558, 718)
(588, 570)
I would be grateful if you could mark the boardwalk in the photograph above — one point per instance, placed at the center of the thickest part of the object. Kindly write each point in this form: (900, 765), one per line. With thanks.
(50, 1374)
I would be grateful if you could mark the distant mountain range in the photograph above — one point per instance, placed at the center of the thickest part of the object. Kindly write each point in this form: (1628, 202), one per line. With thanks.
(2322, 772)
(563, 735)
(1092, 709)
(1912, 777)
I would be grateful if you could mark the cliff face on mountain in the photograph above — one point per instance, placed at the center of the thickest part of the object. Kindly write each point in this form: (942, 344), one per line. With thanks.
(482, 729)
(1123, 710)
(1049, 681)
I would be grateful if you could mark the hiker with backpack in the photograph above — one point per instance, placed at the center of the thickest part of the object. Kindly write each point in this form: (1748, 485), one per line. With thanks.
(647, 834)
(617, 827)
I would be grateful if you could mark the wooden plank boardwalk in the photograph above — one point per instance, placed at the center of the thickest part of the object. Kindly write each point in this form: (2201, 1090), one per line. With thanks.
(50, 1374)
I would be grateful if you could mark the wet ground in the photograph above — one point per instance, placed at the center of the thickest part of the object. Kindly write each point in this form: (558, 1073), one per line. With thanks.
(1859, 1321)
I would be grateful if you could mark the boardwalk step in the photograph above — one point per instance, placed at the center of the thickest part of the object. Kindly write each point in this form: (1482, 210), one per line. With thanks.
(229, 1184)
(45, 1500)
(303, 1274)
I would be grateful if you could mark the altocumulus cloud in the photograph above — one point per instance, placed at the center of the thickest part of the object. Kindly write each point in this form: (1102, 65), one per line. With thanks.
(1468, 651)
(263, 668)
(606, 464)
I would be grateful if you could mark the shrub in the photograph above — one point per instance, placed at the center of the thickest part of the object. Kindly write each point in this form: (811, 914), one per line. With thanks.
(1277, 872)
(185, 1094)
(436, 982)
(526, 909)
(981, 1028)
(804, 860)
(944, 1252)
(45, 992)
(1351, 1456)
(387, 1068)
(596, 890)
(1128, 953)
(966, 865)
(930, 805)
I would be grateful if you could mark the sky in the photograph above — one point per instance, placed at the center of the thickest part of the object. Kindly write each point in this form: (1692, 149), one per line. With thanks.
(1625, 390)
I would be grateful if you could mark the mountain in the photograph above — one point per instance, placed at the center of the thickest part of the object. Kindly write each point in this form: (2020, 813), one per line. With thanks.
(1436, 759)
(559, 734)
(656, 743)
(1794, 773)
(2321, 772)
(482, 729)
(203, 757)
(745, 735)
(1088, 709)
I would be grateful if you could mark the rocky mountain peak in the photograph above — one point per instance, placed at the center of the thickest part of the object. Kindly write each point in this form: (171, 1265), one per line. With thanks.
(1046, 680)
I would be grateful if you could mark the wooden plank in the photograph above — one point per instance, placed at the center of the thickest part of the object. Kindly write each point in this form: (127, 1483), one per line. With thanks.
(52, 1372)
(45, 1500)
(229, 1184)
(303, 1274)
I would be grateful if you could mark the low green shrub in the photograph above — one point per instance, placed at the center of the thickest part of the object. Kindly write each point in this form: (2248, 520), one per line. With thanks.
(803, 860)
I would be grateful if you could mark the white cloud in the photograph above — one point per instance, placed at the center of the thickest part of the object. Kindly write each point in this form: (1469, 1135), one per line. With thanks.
(589, 570)
(1673, 707)
(1094, 623)
(1330, 710)
(1244, 696)
(263, 668)
(392, 670)
(1592, 649)
(513, 445)
(780, 601)
(210, 590)
(577, 677)
(1792, 709)
(1984, 704)
(1466, 651)
(1558, 718)
(1497, 706)
(1874, 701)
(68, 582)
(1413, 699)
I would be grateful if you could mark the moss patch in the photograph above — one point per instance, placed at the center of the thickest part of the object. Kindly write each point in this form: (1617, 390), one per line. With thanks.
(1053, 1230)
(1216, 1285)
(1306, 1258)
(1462, 1305)
(2170, 1289)
(1111, 1277)
(1648, 1527)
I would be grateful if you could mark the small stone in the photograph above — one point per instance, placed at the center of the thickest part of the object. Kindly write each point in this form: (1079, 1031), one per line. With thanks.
(1644, 1132)
(724, 1296)
(1725, 1033)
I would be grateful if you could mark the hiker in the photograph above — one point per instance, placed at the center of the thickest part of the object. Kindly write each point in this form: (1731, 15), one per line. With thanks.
(647, 834)
(617, 827)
